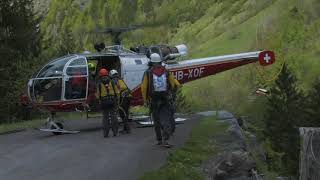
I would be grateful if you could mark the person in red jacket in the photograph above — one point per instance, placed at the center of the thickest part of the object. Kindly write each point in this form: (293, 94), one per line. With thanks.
(78, 86)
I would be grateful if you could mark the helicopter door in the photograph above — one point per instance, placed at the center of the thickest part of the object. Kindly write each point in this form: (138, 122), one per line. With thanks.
(75, 79)
(133, 70)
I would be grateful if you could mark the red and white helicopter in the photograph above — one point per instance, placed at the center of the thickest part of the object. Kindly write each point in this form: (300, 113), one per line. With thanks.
(51, 88)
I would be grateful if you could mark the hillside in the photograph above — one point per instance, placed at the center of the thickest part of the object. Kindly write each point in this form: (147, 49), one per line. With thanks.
(212, 27)
(32, 32)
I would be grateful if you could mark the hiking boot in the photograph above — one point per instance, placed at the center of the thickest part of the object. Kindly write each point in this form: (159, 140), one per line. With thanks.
(105, 134)
(166, 144)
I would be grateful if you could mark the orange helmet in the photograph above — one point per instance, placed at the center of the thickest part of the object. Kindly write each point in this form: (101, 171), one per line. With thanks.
(103, 72)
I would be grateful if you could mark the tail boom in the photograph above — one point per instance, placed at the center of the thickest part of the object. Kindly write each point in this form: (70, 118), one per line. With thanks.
(190, 70)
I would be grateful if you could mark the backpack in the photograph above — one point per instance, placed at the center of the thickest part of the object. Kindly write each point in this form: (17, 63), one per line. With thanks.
(158, 82)
(108, 101)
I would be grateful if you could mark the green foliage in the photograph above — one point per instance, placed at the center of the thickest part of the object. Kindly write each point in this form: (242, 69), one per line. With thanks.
(182, 104)
(284, 114)
(5, 128)
(184, 163)
(18, 48)
(274, 159)
(313, 108)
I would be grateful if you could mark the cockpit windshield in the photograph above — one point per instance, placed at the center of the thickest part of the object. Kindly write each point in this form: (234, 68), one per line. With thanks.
(62, 79)
(54, 68)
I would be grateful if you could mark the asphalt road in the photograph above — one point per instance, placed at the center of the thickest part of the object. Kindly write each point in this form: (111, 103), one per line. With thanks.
(35, 155)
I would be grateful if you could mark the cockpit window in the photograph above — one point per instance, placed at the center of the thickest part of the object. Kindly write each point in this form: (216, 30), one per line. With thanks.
(54, 69)
(76, 79)
(46, 90)
(76, 70)
(78, 62)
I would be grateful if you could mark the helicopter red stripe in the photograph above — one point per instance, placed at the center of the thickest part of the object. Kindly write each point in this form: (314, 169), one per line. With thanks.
(184, 75)
(59, 106)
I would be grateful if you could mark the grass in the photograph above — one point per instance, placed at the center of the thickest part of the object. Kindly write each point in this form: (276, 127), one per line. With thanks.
(139, 110)
(5, 128)
(261, 165)
(38, 122)
(185, 162)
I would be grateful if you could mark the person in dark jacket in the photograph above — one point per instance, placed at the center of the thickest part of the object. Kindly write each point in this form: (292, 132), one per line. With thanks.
(156, 85)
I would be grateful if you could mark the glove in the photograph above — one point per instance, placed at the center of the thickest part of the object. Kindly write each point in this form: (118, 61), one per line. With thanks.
(125, 94)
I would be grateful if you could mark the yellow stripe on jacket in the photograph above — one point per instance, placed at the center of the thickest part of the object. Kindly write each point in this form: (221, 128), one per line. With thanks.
(104, 91)
(113, 89)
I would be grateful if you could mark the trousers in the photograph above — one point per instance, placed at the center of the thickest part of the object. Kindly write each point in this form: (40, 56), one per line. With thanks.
(110, 121)
(161, 114)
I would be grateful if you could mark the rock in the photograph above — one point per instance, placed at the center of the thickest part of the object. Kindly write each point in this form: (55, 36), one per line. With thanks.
(234, 165)
(220, 174)
(207, 113)
(224, 115)
(235, 162)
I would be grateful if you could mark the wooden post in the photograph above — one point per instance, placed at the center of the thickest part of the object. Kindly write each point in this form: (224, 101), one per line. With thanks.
(309, 153)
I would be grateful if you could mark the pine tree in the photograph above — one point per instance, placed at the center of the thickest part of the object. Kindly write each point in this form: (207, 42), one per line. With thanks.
(314, 105)
(283, 117)
(19, 42)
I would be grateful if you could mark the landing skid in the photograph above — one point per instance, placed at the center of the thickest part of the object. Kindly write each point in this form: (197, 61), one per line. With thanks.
(55, 127)
(59, 131)
(149, 122)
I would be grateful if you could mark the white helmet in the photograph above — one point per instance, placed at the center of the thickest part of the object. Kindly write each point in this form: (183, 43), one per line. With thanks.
(113, 72)
(155, 58)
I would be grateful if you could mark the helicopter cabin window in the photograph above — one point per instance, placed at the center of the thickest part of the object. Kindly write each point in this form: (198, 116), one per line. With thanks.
(47, 82)
(78, 62)
(76, 79)
(138, 61)
(53, 69)
(47, 89)
(76, 70)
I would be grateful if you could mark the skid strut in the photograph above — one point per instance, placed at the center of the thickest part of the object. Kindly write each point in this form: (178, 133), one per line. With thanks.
(55, 127)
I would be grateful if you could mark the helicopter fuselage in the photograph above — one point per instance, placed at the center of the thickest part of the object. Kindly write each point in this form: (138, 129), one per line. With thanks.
(65, 84)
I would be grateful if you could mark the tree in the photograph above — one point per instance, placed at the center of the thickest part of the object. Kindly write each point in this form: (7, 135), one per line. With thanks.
(19, 43)
(285, 113)
(314, 105)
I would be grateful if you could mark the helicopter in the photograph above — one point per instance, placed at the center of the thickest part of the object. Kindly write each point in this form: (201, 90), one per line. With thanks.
(63, 84)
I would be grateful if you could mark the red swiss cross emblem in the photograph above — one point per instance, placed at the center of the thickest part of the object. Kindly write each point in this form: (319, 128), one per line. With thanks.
(266, 58)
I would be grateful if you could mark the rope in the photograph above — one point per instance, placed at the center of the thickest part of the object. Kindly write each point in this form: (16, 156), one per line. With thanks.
(312, 152)
(262, 74)
(124, 112)
(260, 29)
